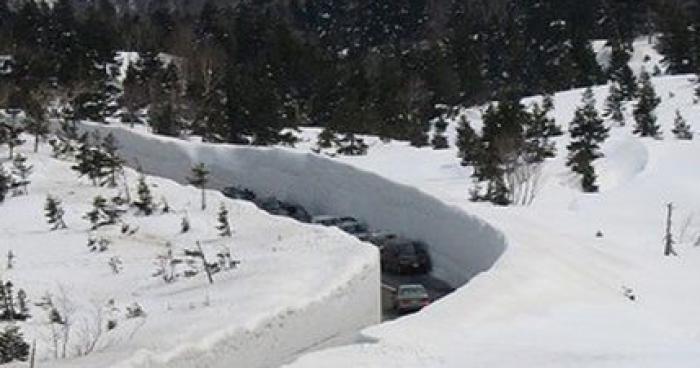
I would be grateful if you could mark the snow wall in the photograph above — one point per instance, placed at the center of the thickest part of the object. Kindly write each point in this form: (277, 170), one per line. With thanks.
(460, 245)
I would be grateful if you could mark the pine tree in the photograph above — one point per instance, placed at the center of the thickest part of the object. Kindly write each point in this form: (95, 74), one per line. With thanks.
(54, 213)
(619, 70)
(539, 130)
(681, 128)
(468, 143)
(11, 134)
(12, 345)
(91, 161)
(5, 182)
(587, 133)
(200, 178)
(111, 161)
(644, 116)
(144, 203)
(439, 140)
(224, 227)
(350, 145)
(21, 170)
(326, 138)
(96, 216)
(614, 108)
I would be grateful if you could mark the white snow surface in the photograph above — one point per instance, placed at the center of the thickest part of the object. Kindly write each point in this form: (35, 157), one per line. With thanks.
(542, 289)
(555, 298)
(291, 277)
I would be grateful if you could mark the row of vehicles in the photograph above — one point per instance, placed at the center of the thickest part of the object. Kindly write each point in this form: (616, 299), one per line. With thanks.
(398, 254)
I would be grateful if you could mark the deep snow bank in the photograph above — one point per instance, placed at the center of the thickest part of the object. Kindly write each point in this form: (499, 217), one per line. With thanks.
(461, 245)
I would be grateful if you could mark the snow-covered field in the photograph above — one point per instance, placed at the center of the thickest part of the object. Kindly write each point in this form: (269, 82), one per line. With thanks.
(291, 276)
(543, 289)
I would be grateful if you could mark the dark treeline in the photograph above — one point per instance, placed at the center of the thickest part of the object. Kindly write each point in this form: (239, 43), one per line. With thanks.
(244, 71)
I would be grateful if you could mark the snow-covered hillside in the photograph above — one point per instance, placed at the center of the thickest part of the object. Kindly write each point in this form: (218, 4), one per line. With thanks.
(559, 294)
(574, 280)
(291, 276)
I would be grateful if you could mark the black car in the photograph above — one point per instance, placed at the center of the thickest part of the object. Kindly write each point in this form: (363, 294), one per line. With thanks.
(238, 193)
(404, 256)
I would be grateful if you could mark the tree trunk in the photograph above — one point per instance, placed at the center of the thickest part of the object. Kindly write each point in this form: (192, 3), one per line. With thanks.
(668, 251)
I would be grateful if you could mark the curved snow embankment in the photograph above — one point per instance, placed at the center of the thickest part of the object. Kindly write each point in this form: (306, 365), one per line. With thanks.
(625, 158)
(461, 245)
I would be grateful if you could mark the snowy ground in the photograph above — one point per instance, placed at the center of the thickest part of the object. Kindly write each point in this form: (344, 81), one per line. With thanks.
(555, 297)
(291, 277)
(547, 291)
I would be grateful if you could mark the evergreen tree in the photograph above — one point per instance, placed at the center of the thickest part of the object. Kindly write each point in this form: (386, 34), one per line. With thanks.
(644, 115)
(224, 227)
(439, 140)
(103, 213)
(681, 128)
(620, 72)
(12, 345)
(10, 134)
(614, 105)
(112, 163)
(96, 215)
(587, 133)
(468, 143)
(21, 170)
(144, 203)
(539, 130)
(5, 182)
(91, 161)
(326, 138)
(350, 145)
(54, 213)
(199, 178)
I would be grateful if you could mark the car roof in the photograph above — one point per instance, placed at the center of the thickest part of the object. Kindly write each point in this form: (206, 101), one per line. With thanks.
(324, 217)
(411, 286)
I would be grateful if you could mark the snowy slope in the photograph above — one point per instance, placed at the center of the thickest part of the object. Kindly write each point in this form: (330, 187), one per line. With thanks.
(291, 276)
(553, 293)
(555, 297)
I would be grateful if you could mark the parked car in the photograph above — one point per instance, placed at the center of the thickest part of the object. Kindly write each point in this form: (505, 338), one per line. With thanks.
(272, 205)
(404, 256)
(380, 238)
(326, 220)
(238, 193)
(411, 298)
(353, 227)
(296, 212)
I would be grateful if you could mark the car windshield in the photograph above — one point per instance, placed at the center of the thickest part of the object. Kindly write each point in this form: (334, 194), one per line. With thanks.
(412, 291)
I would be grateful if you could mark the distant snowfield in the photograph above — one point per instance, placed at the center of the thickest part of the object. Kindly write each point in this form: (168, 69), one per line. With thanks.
(291, 277)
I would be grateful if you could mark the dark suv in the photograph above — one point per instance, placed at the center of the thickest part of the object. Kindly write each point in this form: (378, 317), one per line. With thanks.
(405, 256)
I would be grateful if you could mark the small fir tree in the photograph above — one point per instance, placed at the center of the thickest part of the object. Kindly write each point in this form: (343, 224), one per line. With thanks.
(96, 215)
(614, 105)
(468, 143)
(538, 132)
(681, 129)
(350, 145)
(587, 133)
(113, 164)
(12, 345)
(144, 203)
(644, 116)
(54, 213)
(439, 140)
(326, 138)
(199, 178)
(21, 169)
(5, 182)
(224, 227)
